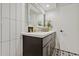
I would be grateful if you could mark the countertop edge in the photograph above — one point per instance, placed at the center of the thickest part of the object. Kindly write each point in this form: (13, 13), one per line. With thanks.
(36, 35)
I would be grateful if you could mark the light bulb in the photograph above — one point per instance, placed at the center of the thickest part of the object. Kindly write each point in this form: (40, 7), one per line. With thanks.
(47, 5)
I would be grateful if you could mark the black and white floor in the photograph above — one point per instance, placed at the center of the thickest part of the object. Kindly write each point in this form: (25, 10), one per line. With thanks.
(58, 52)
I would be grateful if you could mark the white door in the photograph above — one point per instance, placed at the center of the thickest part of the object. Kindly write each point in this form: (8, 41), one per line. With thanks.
(69, 23)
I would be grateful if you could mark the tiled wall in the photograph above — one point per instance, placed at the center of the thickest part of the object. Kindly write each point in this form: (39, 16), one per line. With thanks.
(11, 26)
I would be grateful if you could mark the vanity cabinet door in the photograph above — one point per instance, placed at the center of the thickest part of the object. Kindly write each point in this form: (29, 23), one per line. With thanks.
(46, 40)
(32, 46)
(52, 46)
(46, 50)
(49, 45)
(49, 49)
(52, 43)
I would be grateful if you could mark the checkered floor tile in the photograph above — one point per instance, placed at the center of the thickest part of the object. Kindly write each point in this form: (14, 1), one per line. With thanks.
(58, 52)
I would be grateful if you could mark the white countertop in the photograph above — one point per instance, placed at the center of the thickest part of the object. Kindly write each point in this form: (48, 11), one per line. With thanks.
(37, 34)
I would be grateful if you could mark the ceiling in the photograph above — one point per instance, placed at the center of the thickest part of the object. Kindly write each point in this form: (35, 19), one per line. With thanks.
(47, 6)
(62, 4)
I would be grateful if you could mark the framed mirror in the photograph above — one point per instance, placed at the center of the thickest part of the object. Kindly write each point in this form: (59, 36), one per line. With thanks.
(35, 16)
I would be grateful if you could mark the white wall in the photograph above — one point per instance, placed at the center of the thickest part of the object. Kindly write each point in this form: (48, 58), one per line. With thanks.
(12, 19)
(68, 21)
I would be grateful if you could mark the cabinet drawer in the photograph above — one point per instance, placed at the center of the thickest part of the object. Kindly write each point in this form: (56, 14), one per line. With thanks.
(46, 40)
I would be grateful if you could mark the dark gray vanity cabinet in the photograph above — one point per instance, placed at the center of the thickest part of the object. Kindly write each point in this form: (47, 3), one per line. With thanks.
(35, 46)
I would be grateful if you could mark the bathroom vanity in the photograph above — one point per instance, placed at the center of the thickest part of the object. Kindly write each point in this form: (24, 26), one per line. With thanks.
(38, 43)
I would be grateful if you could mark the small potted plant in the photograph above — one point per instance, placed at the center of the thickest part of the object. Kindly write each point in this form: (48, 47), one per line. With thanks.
(49, 25)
